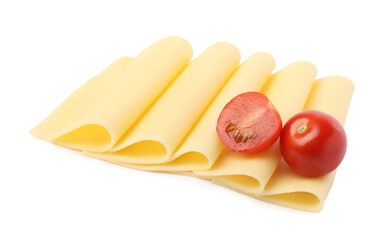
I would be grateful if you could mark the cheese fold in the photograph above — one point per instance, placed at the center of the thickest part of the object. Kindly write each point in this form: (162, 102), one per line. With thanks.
(95, 116)
(331, 95)
(202, 146)
(160, 131)
(249, 173)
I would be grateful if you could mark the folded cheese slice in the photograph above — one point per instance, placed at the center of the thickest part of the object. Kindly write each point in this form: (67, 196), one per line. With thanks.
(162, 128)
(331, 95)
(202, 146)
(157, 113)
(96, 115)
(249, 173)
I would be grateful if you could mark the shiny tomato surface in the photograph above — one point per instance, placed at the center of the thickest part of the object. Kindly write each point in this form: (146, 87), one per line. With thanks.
(313, 143)
(249, 123)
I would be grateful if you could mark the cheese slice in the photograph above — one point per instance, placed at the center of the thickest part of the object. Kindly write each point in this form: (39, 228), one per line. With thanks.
(202, 146)
(249, 173)
(157, 113)
(161, 130)
(331, 95)
(95, 116)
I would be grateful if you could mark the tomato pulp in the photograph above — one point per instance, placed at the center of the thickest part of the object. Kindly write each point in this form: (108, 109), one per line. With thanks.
(313, 143)
(249, 123)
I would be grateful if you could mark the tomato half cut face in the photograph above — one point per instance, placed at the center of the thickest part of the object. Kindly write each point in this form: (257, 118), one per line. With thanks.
(249, 123)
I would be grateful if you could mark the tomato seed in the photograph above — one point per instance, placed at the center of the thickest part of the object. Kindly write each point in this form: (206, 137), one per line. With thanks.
(238, 137)
(230, 128)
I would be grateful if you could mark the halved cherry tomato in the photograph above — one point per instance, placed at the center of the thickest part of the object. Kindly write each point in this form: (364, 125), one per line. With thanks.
(313, 143)
(249, 123)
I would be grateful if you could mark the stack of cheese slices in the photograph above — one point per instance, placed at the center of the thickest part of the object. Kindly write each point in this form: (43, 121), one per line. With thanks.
(158, 112)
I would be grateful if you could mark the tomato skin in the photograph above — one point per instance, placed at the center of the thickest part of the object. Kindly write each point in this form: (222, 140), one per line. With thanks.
(313, 143)
(249, 123)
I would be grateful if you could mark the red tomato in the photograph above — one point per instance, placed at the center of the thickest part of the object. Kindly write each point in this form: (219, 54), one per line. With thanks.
(249, 123)
(313, 143)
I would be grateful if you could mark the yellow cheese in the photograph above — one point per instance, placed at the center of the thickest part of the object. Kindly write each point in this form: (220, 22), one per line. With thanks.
(331, 95)
(156, 113)
(96, 115)
(158, 133)
(249, 173)
(202, 146)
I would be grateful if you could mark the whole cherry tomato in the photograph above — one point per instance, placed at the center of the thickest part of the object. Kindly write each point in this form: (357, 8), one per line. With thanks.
(313, 143)
(249, 123)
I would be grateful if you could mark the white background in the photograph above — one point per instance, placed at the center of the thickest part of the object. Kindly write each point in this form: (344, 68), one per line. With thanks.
(48, 49)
